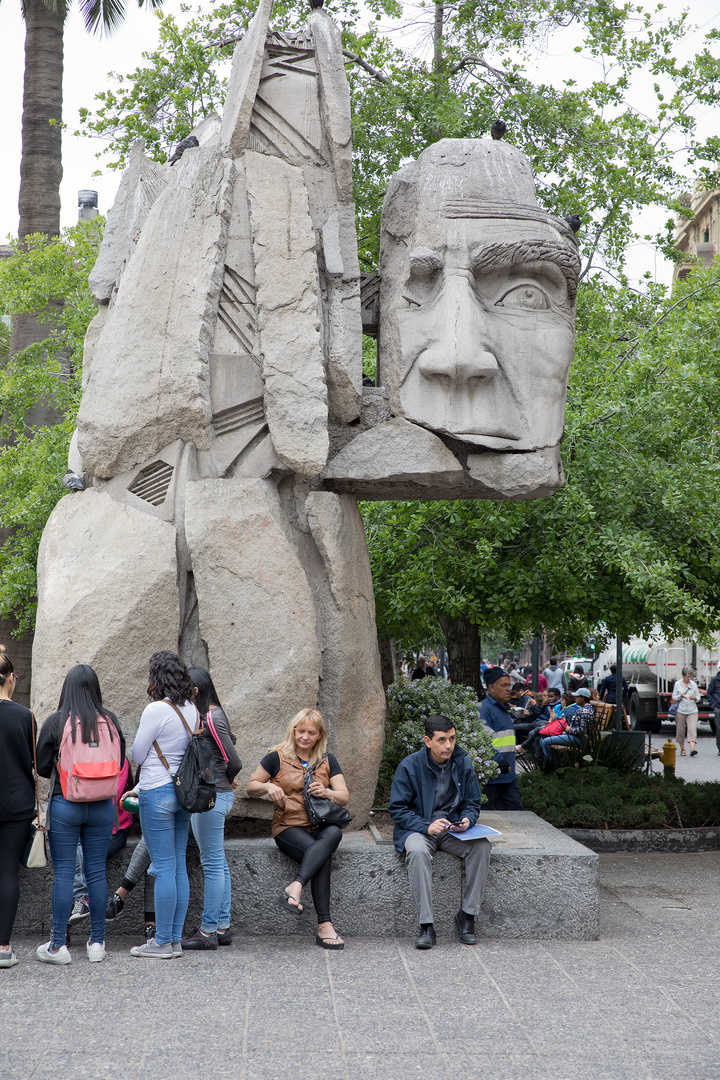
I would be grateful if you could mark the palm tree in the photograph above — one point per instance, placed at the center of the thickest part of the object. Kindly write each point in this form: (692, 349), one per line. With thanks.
(41, 162)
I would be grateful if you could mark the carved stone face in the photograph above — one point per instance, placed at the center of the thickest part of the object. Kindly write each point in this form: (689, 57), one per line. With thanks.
(477, 298)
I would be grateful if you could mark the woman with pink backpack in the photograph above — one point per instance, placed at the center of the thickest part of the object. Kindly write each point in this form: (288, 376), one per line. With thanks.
(82, 749)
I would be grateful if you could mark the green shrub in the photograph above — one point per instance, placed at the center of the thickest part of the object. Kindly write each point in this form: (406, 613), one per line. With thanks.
(596, 797)
(409, 705)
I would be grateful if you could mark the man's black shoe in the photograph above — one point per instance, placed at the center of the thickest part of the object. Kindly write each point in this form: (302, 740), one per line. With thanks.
(466, 928)
(426, 938)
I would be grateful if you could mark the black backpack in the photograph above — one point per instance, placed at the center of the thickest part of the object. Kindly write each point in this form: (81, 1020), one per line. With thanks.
(196, 778)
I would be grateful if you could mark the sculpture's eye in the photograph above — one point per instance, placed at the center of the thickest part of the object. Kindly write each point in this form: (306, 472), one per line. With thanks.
(525, 298)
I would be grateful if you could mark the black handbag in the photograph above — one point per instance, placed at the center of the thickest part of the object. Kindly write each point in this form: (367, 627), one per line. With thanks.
(196, 779)
(323, 811)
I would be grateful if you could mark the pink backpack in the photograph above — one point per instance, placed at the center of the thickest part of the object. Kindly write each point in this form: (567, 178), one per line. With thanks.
(89, 772)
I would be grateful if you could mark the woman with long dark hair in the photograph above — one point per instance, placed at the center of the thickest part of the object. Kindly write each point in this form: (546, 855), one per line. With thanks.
(164, 823)
(82, 729)
(17, 799)
(209, 828)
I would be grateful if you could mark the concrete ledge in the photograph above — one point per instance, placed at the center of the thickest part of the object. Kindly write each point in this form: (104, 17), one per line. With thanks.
(541, 884)
(610, 841)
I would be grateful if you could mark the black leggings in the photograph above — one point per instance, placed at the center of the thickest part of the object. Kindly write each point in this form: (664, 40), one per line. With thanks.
(313, 851)
(13, 838)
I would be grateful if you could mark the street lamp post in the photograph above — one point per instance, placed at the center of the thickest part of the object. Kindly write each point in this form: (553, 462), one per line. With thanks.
(618, 686)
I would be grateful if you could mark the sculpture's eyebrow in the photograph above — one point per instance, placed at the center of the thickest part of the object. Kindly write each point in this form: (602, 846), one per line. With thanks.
(523, 252)
(423, 262)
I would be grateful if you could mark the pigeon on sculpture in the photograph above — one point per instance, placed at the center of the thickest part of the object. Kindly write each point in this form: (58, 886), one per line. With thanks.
(574, 221)
(315, 4)
(182, 147)
(72, 481)
(498, 129)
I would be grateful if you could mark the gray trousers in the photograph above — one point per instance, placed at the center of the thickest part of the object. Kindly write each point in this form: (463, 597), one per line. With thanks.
(420, 850)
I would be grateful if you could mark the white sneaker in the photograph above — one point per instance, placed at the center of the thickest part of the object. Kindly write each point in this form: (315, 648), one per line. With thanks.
(8, 959)
(153, 951)
(62, 956)
(177, 949)
(95, 951)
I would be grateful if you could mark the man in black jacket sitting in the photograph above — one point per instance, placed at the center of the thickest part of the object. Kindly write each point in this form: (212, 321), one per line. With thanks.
(434, 794)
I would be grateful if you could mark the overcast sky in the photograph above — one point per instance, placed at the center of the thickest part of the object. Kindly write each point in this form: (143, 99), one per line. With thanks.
(89, 59)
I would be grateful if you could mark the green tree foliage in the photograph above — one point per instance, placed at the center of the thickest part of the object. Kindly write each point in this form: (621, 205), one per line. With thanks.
(632, 539)
(410, 704)
(449, 73)
(32, 462)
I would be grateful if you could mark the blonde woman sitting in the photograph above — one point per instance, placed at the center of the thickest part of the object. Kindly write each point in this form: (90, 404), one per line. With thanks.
(281, 775)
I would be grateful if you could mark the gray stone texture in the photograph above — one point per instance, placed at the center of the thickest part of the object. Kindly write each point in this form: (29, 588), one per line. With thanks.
(636, 841)
(244, 80)
(351, 692)
(518, 476)
(289, 313)
(148, 380)
(546, 889)
(256, 610)
(107, 596)
(141, 184)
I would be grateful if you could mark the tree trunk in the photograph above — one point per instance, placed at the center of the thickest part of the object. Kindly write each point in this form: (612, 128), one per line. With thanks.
(39, 206)
(388, 663)
(463, 646)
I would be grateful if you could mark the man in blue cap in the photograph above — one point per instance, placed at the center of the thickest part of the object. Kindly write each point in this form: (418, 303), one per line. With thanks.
(503, 792)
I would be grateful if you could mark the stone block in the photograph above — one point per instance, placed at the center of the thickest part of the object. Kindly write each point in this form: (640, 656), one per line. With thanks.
(393, 453)
(289, 313)
(107, 596)
(351, 691)
(256, 612)
(244, 80)
(518, 476)
(157, 334)
(543, 887)
(334, 98)
(142, 182)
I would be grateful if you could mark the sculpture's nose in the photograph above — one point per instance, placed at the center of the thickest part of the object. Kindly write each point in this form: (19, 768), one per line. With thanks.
(461, 351)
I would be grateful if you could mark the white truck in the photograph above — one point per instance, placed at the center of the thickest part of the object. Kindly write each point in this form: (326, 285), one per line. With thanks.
(650, 668)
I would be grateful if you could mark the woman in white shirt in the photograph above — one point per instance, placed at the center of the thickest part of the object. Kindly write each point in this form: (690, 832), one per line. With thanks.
(687, 694)
(164, 823)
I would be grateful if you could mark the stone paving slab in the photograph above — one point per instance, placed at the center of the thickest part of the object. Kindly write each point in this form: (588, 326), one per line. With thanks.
(641, 1003)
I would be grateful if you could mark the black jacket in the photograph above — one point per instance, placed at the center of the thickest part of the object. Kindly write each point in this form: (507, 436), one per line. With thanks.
(412, 795)
(17, 786)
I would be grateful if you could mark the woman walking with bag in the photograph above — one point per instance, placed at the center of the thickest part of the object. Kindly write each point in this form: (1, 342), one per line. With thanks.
(17, 799)
(82, 748)
(283, 775)
(687, 694)
(209, 827)
(164, 823)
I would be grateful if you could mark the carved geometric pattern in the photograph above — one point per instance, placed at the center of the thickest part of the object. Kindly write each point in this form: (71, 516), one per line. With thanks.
(277, 134)
(237, 311)
(272, 128)
(370, 303)
(302, 41)
(152, 482)
(239, 416)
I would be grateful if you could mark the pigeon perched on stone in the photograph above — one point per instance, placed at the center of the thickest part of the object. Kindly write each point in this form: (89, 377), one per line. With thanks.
(182, 147)
(315, 4)
(498, 130)
(72, 481)
(574, 221)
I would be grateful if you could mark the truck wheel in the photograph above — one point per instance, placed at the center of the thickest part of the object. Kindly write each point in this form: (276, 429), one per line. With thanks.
(634, 712)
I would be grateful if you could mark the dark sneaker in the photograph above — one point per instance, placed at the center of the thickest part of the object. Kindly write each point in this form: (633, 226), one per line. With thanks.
(80, 911)
(114, 907)
(150, 931)
(224, 937)
(198, 940)
(426, 938)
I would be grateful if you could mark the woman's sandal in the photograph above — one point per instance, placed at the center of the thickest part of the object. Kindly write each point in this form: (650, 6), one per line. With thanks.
(289, 902)
(683, 754)
(329, 942)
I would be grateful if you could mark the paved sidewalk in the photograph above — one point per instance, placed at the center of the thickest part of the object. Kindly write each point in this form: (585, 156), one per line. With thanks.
(706, 766)
(640, 1004)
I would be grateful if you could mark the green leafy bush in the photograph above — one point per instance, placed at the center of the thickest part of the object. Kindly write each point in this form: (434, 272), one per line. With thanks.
(600, 798)
(409, 705)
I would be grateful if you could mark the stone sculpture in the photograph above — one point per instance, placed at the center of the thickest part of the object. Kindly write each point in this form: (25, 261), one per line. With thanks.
(224, 433)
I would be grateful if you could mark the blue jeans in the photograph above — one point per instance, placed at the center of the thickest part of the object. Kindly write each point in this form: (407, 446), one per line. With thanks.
(165, 830)
(557, 740)
(118, 841)
(91, 823)
(209, 831)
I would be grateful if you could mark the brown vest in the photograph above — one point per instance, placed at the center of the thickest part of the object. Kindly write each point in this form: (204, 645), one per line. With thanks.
(291, 778)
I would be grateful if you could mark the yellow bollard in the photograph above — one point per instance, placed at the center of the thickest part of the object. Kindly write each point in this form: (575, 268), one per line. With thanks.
(667, 757)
